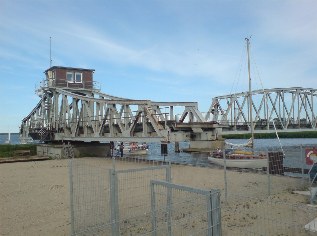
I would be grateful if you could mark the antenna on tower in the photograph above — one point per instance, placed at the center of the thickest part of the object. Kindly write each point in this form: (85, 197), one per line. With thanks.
(50, 52)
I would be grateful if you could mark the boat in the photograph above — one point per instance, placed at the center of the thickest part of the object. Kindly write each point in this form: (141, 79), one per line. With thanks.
(245, 156)
(239, 159)
(244, 163)
(132, 148)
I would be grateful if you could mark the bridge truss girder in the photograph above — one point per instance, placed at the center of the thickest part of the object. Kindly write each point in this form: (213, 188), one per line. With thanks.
(88, 116)
(284, 108)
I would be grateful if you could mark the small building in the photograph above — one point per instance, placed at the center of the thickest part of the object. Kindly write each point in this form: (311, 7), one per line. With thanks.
(69, 77)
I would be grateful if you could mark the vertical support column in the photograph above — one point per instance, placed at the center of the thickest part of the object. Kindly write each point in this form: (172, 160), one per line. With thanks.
(46, 110)
(56, 114)
(214, 108)
(171, 112)
(313, 119)
(266, 111)
(62, 117)
(145, 120)
(298, 109)
(111, 121)
(75, 117)
(191, 116)
(90, 115)
(84, 117)
(96, 119)
(126, 113)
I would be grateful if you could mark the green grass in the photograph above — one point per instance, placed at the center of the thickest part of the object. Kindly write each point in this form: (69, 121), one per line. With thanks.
(304, 134)
(7, 150)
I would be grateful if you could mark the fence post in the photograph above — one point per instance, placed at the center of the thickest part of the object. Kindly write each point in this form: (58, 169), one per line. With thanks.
(169, 200)
(302, 158)
(209, 214)
(114, 202)
(153, 209)
(213, 214)
(268, 173)
(225, 173)
(168, 173)
(71, 190)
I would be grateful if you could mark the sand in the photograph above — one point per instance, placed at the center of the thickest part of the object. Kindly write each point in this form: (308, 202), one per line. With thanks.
(34, 196)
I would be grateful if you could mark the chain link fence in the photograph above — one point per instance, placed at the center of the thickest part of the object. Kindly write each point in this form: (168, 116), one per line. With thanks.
(136, 197)
(266, 208)
(106, 200)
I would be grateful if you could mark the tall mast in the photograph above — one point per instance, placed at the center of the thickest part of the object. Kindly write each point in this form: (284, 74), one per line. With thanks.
(250, 90)
(50, 52)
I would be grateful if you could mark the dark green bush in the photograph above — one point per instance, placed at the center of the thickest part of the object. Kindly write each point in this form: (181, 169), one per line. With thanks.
(7, 150)
(303, 134)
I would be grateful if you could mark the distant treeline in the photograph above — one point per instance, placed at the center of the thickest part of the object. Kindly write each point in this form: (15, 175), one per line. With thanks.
(304, 134)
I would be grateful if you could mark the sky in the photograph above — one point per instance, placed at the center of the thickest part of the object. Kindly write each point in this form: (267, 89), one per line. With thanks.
(160, 50)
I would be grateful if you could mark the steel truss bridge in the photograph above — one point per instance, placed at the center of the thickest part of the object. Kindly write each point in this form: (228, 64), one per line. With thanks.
(284, 109)
(92, 116)
(89, 115)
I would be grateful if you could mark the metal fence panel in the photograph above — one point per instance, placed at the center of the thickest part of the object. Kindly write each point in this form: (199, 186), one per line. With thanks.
(106, 201)
(90, 197)
(134, 205)
(182, 210)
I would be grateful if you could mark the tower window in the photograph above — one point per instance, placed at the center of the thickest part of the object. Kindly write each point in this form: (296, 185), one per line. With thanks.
(78, 77)
(70, 77)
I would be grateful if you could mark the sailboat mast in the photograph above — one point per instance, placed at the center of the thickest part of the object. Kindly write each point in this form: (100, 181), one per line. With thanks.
(250, 90)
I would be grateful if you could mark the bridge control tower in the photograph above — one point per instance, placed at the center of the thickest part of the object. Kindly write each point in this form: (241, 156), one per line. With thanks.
(69, 77)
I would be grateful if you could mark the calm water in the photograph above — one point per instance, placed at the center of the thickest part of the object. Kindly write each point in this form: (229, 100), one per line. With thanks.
(14, 138)
(200, 159)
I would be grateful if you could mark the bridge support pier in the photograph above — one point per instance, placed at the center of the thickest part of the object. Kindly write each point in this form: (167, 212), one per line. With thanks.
(81, 149)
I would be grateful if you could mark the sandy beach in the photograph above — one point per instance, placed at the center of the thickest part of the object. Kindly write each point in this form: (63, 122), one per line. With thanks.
(34, 196)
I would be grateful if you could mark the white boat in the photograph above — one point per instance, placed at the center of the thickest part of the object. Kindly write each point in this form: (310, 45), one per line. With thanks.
(242, 158)
(244, 162)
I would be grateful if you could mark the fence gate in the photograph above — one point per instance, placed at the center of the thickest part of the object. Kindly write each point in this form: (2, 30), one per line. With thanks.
(105, 201)
(181, 210)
